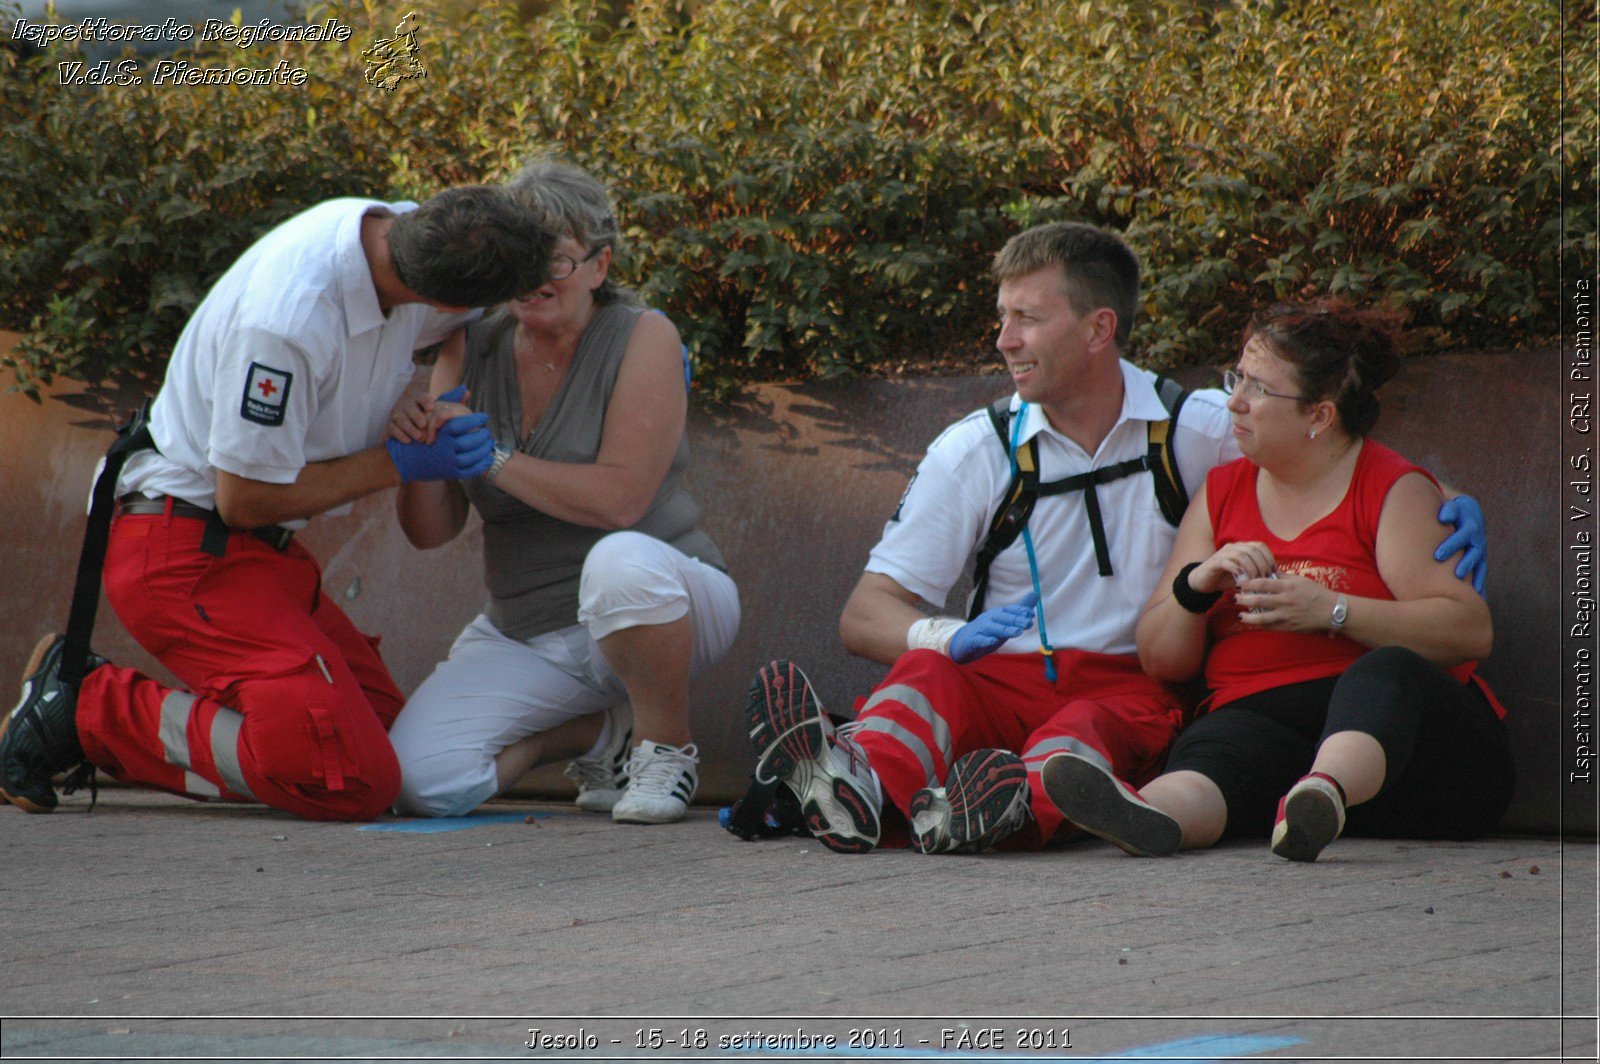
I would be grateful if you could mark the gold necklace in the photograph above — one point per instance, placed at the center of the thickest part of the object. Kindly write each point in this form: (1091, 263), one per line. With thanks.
(525, 346)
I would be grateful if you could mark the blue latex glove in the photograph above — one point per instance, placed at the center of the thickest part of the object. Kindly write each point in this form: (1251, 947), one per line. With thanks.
(990, 629)
(462, 449)
(458, 394)
(1470, 537)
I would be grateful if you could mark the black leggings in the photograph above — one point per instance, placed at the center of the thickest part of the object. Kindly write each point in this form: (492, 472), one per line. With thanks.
(1448, 772)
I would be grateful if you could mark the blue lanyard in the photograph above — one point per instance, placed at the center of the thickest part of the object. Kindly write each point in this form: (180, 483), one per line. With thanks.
(1033, 562)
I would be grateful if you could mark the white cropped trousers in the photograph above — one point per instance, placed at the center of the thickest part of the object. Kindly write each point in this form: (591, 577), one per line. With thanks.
(493, 690)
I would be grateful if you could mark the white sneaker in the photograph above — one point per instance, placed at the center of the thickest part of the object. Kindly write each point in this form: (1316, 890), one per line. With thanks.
(984, 799)
(795, 742)
(661, 783)
(602, 777)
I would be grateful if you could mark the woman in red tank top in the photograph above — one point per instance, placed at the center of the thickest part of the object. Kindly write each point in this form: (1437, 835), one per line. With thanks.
(1338, 653)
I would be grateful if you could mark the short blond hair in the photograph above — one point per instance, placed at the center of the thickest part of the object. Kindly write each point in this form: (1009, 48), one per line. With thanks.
(1098, 268)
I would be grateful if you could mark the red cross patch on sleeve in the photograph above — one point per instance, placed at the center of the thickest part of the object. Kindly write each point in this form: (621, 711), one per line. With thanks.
(266, 391)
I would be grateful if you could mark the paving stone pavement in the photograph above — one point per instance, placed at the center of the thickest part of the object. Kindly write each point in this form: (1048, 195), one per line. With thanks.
(154, 928)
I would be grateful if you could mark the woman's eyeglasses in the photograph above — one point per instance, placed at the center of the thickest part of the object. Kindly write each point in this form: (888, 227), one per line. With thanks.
(564, 266)
(1250, 389)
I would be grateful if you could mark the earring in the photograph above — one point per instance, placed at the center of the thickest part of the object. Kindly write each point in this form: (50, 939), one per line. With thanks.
(1311, 435)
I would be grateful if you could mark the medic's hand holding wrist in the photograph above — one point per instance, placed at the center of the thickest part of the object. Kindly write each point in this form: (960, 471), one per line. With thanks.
(989, 630)
(463, 449)
(1470, 537)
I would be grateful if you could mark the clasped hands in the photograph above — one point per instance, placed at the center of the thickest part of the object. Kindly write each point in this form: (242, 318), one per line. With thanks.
(1279, 602)
(438, 438)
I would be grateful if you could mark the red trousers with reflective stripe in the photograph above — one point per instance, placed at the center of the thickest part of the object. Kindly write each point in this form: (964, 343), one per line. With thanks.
(290, 704)
(929, 711)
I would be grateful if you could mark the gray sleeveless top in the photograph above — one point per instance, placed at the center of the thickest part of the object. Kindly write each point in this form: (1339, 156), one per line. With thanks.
(532, 560)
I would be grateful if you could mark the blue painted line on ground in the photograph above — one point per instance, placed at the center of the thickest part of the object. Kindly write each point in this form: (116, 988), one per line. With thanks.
(453, 823)
(1204, 1049)
(1215, 1045)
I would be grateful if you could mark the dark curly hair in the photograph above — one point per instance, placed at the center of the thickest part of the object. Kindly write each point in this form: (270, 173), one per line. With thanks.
(1340, 352)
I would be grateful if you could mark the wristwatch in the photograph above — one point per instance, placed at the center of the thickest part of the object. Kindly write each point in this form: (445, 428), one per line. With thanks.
(1341, 610)
(502, 455)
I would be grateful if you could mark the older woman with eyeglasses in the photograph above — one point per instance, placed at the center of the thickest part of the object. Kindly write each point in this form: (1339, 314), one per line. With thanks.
(605, 596)
(1337, 652)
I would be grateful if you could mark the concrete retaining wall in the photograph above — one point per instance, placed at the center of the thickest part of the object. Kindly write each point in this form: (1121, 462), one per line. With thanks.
(797, 484)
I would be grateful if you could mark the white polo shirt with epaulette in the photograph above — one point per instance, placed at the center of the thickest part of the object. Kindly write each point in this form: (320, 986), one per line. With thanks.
(929, 544)
(288, 360)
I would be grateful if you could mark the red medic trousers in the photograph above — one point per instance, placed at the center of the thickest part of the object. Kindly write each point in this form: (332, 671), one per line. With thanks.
(290, 704)
(929, 711)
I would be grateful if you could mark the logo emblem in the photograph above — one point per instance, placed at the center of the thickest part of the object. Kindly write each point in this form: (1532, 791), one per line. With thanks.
(394, 59)
(266, 392)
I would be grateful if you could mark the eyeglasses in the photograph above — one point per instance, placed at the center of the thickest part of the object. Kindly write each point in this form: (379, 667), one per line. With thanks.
(564, 266)
(1251, 389)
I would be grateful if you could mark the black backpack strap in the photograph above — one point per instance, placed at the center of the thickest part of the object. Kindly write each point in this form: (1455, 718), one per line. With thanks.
(1171, 495)
(1025, 489)
(1086, 483)
(1016, 504)
(999, 413)
(134, 436)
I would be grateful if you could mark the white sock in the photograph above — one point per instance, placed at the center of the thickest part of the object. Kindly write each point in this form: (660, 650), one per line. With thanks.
(608, 730)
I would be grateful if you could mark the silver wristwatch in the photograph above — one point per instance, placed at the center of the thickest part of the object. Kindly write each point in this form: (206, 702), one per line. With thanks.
(1341, 610)
(502, 455)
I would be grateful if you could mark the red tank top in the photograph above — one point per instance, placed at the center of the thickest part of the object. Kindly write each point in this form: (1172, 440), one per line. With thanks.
(1338, 551)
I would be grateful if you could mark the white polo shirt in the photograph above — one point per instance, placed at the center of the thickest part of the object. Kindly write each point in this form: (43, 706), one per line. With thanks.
(288, 360)
(931, 541)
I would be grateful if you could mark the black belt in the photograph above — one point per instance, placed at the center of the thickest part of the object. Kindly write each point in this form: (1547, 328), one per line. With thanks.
(275, 536)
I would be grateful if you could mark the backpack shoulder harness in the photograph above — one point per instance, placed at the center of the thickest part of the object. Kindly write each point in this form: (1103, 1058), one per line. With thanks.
(1017, 502)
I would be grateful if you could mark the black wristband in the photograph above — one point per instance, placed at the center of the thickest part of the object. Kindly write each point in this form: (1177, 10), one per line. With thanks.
(1190, 599)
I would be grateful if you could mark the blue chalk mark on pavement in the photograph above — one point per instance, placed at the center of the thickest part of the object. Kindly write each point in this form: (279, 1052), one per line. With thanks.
(1205, 1049)
(453, 823)
(1212, 1045)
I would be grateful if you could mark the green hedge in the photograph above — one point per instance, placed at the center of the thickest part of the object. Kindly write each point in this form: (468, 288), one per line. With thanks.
(812, 188)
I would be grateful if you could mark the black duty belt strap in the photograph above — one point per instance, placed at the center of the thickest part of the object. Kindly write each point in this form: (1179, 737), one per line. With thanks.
(214, 540)
(134, 436)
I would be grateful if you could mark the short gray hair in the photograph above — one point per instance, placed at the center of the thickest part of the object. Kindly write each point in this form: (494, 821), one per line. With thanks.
(573, 202)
